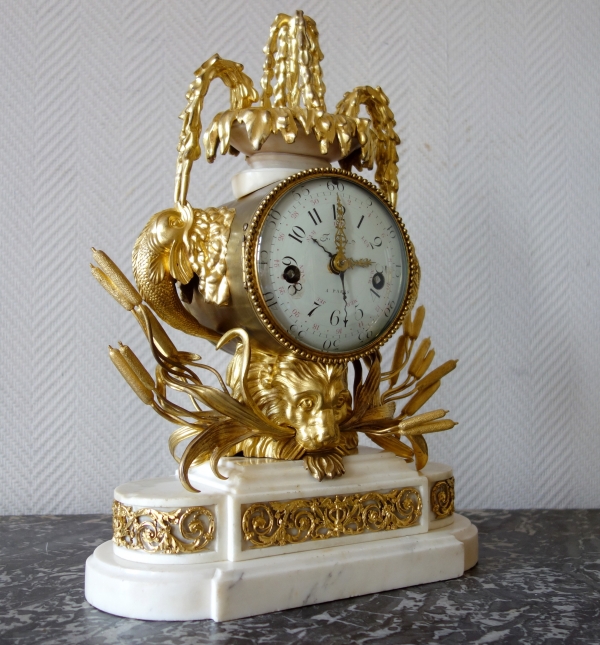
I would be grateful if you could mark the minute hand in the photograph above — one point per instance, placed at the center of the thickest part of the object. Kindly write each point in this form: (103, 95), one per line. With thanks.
(340, 230)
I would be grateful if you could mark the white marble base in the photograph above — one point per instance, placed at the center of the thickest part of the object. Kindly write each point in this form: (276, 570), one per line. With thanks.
(258, 480)
(226, 590)
(232, 577)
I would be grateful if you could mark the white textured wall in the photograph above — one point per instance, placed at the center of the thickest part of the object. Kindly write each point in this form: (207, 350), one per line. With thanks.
(498, 108)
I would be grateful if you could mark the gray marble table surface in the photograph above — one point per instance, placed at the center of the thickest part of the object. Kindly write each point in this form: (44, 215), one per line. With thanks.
(537, 581)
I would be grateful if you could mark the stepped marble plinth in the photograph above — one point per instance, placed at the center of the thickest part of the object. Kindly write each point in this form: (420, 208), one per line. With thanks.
(271, 537)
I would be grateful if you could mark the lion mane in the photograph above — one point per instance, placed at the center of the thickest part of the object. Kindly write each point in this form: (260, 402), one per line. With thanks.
(269, 380)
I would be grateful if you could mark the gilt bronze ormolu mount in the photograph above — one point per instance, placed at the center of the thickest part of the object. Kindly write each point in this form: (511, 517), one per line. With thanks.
(258, 410)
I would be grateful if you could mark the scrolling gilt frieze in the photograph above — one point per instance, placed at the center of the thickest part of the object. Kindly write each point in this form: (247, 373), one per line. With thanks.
(185, 530)
(293, 521)
(442, 498)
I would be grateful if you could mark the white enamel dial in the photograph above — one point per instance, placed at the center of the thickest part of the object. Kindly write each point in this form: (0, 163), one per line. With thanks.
(332, 264)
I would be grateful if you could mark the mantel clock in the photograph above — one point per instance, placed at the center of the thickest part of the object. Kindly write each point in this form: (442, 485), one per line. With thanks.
(307, 271)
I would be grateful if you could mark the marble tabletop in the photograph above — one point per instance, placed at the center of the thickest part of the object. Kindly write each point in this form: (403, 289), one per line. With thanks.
(537, 581)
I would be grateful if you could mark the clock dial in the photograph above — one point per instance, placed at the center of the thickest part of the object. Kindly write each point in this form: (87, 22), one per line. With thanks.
(332, 264)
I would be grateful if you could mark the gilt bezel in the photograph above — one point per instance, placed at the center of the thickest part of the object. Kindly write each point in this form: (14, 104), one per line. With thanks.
(263, 312)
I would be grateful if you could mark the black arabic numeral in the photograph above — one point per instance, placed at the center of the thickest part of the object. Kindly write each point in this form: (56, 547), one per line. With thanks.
(274, 217)
(334, 183)
(312, 311)
(335, 207)
(269, 297)
(389, 308)
(297, 334)
(297, 233)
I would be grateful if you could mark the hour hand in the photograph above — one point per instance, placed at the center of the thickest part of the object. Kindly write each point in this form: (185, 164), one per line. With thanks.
(363, 262)
(344, 264)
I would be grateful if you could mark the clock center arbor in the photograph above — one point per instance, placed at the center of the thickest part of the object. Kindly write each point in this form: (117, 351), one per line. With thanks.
(309, 269)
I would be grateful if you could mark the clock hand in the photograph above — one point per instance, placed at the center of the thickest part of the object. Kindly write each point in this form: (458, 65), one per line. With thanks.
(363, 262)
(345, 295)
(324, 249)
(340, 237)
(340, 225)
(340, 261)
(348, 263)
(332, 266)
(341, 274)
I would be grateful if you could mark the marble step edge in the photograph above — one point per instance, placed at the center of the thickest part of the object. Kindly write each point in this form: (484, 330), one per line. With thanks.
(228, 590)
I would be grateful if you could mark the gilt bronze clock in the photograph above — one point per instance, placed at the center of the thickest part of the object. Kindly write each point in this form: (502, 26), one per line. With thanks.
(308, 270)
(330, 269)
(320, 265)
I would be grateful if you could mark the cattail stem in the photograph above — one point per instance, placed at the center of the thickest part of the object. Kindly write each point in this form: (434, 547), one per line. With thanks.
(436, 375)
(398, 361)
(417, 322)
(160, 336)
(419, 399)
(435, 426)
(419, 357)
(421, 419)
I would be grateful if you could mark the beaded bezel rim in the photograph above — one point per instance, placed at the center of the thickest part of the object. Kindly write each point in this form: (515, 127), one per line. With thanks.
(251, 270)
